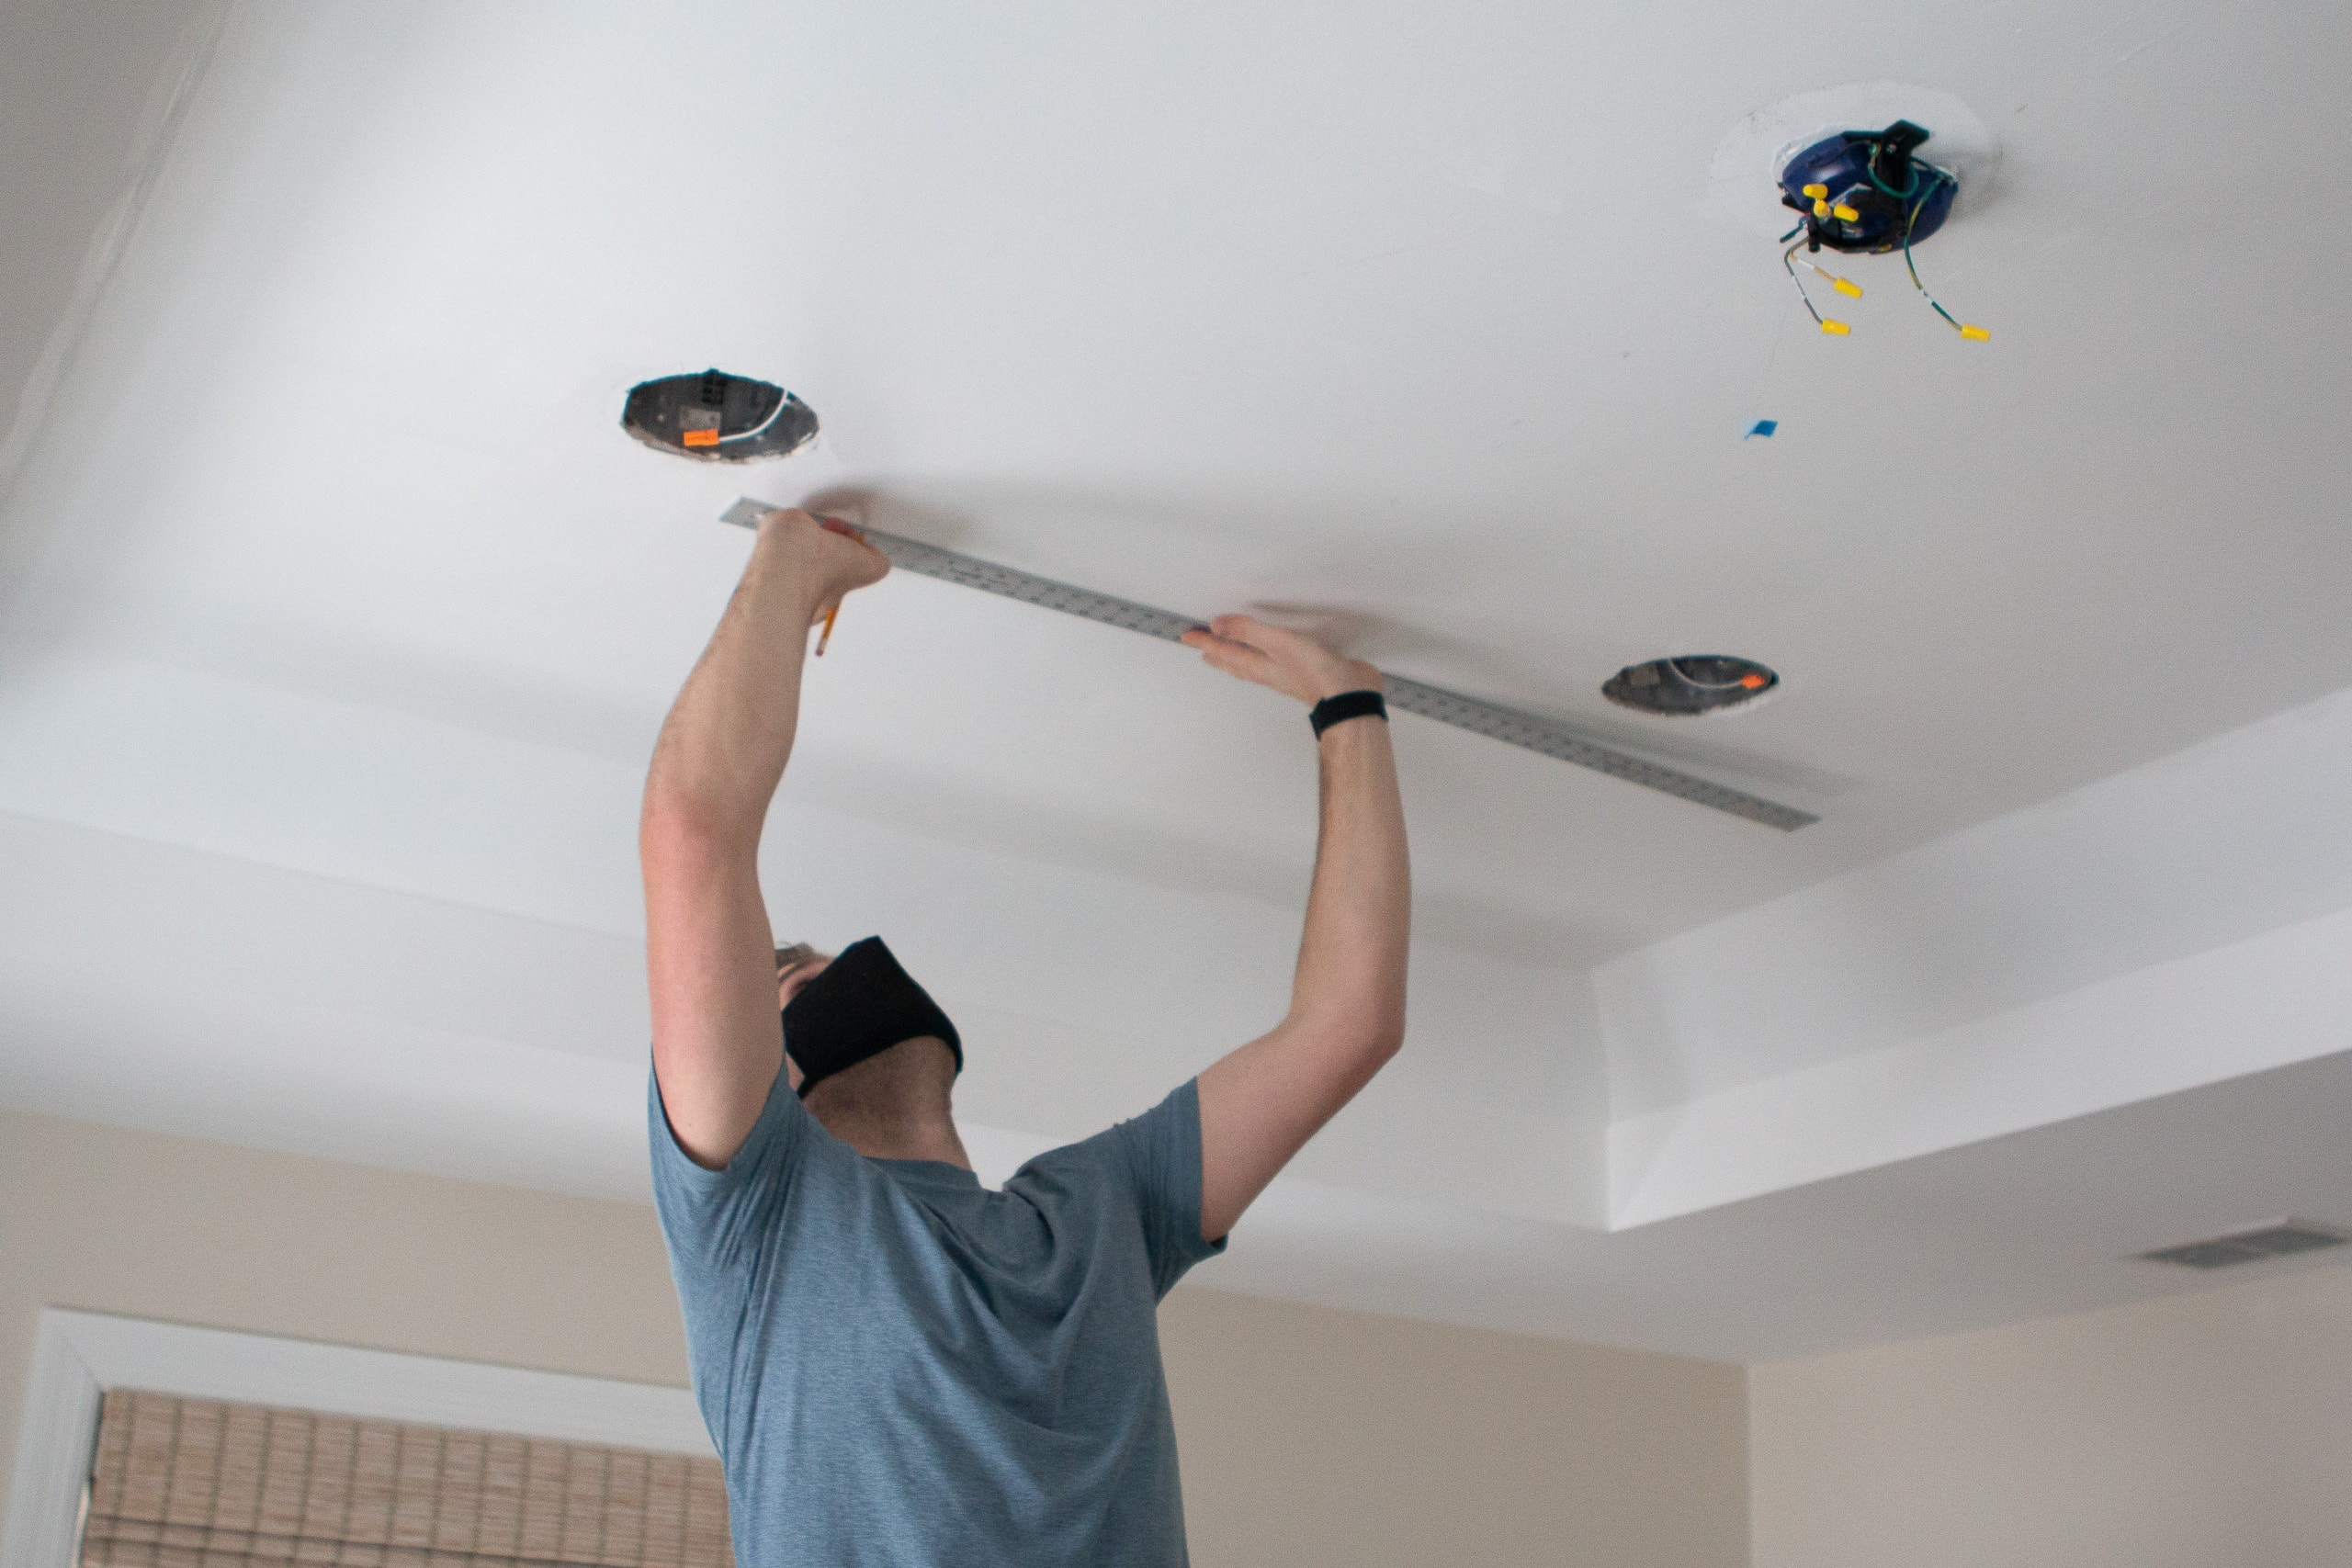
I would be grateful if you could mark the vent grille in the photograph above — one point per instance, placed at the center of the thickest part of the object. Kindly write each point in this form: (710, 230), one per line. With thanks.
(2283, 1239)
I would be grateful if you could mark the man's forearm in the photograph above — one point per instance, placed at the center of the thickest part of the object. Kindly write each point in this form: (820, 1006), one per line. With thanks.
(1259, 1105)
(724, 745)
(1350, 980)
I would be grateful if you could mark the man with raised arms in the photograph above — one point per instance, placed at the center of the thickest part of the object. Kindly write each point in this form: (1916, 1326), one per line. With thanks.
(899, 1366)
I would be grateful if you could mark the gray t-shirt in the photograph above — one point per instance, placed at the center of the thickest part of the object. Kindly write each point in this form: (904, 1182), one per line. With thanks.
(903, 1367)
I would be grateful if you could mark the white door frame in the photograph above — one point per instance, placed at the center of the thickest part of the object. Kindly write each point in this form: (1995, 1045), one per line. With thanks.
(78, 1356)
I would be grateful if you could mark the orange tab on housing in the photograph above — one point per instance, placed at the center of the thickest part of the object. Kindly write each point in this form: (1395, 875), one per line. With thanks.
(699, 437)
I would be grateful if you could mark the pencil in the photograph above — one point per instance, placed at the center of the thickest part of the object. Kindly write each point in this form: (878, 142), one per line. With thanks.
(838, 526)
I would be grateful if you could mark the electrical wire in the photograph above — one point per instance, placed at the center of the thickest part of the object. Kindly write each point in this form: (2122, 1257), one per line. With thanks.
(1791, 269)
(1684, 676)
(1911, 222)
(1843, 285)
(756, 429)
(1870, 167)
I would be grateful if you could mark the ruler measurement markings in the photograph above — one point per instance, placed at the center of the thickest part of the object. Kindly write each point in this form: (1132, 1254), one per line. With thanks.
(1528, 731)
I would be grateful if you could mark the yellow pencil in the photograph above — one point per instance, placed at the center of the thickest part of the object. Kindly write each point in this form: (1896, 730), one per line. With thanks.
(838, 526)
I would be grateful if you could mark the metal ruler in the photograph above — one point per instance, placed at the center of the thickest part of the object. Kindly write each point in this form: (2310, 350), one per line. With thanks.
(1512, 728)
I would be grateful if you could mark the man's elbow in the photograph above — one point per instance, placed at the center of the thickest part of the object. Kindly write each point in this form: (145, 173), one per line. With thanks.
(677, 829)
(1377, 1024)
(1367, 1041)
(1370, 1047)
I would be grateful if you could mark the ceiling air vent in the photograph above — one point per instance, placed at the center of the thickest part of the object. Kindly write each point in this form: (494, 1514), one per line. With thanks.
(2283, 1239)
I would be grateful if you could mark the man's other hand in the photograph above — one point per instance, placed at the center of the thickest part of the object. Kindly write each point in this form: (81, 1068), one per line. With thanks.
(1291, 662)
(836, 559)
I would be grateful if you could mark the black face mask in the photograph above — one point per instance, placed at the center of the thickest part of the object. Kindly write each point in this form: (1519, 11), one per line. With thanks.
(859, 1006)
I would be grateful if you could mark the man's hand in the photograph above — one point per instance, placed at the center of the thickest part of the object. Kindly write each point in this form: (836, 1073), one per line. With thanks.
(1294, 665)
(828, 555)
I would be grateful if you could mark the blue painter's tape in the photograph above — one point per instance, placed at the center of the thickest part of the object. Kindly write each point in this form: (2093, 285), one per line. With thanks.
(1763, 427)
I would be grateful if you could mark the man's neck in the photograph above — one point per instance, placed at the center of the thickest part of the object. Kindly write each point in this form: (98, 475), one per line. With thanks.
(879, 1139)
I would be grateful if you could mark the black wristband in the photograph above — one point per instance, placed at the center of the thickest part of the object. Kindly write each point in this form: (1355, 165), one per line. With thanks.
(1345, 707)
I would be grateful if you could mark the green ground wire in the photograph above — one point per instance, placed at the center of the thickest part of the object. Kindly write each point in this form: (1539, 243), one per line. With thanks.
(1870, 167)
(1909, 223)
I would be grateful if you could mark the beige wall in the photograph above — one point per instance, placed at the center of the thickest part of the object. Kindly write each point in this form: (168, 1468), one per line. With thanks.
(1312, 1437)
(1308, 1436)
(2202, 1430)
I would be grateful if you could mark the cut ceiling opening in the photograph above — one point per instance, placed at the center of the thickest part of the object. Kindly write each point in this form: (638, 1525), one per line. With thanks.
(718, 418)
(1691, 685)
(2283, 1239)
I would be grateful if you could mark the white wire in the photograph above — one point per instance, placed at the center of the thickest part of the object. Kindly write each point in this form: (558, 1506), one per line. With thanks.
(771, 419)
(1683, 675)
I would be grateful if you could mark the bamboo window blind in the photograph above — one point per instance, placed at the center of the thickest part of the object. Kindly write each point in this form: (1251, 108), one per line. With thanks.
(191, 1483)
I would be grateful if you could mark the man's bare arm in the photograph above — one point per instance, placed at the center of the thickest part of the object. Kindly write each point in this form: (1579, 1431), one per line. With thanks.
(709, 954)
(1260, 1104)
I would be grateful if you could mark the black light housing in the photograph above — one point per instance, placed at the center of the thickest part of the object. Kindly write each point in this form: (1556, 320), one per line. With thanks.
(718, 418)
(1690, 686)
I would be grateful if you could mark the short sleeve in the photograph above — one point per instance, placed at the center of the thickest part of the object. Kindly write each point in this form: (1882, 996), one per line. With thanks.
(1163, 1151)
(713, 1221)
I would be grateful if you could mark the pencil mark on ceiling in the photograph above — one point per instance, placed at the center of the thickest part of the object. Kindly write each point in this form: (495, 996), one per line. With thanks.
(1343, 265)
(2151, 42)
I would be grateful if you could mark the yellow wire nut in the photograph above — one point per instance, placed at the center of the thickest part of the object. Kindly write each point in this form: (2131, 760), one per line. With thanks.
(1816, 192)
(1836, 329)
(1848, 286)
(1974, 334)
(1845, 212)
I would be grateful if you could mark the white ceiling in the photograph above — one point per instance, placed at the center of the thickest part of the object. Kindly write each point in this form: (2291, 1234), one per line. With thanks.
(339, 615)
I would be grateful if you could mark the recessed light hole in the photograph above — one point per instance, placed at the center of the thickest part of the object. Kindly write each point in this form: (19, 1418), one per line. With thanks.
(1689, 684)
(718, 418)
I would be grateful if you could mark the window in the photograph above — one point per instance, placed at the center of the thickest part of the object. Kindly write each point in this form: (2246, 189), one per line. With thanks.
(180, 1482)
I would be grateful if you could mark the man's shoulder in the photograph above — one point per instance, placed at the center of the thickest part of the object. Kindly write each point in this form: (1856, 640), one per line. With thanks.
(1094, 1150)
(1124, 1144)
